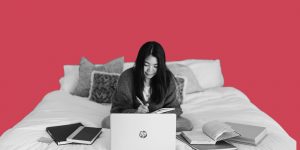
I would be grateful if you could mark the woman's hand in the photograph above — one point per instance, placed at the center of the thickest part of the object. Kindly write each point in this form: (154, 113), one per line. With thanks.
(143, 109)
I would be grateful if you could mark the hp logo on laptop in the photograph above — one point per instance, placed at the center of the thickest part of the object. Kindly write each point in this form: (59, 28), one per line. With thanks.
(143, 134)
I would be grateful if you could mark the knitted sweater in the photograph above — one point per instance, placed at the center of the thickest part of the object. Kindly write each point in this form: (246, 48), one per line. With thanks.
(124, 99)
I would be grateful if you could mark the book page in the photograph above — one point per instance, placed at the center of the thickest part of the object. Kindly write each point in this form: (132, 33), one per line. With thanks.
(218, 130)
(163, 110)
(228, 135)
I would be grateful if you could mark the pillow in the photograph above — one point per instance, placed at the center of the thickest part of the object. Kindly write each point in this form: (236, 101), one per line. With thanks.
(182, 70)
(70, 79)
(85, 70)
(207, 72)
(180, 88)
(103, 86)
(128, 65)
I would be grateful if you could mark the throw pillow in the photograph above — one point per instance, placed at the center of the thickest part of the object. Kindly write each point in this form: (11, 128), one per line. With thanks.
(69, 81)
(85, 70)
(103, 86)
(208, 72)
(182, 70)
(180, 88)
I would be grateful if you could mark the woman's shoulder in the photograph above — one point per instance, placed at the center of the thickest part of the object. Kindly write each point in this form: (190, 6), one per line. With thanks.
(127, 71)
(127, 74)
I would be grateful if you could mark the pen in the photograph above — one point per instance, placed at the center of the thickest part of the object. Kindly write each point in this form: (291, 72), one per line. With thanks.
(140, 101)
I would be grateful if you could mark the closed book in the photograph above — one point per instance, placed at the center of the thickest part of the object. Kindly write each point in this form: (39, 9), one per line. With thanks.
(60, 133)
(84, 135)
(250, 134)
(220, 145)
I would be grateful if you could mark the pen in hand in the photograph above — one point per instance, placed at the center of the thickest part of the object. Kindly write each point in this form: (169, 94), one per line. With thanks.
(140, 101)
(143, 108)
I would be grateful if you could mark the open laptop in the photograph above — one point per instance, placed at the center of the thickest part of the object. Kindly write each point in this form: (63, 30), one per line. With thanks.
(143, 131)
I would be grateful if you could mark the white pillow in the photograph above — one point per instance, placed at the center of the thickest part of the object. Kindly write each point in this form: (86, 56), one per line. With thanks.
(128, 65)
(207, 72)
(71, 76)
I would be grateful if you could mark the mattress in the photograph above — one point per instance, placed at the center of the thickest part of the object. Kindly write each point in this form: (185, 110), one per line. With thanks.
(222, 103)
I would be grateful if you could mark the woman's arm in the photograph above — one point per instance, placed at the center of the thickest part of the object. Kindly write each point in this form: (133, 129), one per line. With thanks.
(122, 100)
(171, 100)
(122, 104)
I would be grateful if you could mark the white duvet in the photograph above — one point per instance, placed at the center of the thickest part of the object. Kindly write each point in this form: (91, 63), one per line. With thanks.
(59, 107)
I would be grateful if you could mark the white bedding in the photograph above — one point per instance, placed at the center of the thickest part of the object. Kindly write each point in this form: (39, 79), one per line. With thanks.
(59, 107)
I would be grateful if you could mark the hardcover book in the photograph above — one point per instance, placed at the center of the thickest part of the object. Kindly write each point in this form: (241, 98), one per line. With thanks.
(84, 135)
(60, 133)
(250, 134)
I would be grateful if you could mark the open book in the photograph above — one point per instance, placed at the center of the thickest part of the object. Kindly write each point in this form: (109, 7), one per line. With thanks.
(211, 133)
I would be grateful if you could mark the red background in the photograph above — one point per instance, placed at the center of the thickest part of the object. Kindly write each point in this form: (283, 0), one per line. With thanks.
(257, 42)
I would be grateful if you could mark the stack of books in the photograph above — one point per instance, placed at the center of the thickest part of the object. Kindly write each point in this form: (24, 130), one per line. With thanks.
(219, 135)
(73, 133)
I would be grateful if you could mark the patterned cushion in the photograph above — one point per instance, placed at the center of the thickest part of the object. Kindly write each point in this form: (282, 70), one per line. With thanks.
(103, 86)
(85, 70)
(180, 88)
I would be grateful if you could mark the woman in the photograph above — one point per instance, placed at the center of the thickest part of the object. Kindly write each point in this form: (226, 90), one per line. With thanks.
(148, 86)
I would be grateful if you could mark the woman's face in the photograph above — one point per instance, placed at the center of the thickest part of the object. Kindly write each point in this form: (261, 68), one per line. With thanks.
(150, 67)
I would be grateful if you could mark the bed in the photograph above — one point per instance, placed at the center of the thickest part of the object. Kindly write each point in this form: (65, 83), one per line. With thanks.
(213, 102)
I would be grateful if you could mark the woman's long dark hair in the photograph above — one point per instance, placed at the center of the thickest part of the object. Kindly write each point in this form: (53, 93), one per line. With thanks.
(160, 82)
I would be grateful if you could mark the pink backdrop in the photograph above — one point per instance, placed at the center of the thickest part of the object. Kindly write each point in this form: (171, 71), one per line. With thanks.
(257, 42)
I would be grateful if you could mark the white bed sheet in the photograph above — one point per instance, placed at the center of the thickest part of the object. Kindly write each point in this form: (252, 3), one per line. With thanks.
(59, 107)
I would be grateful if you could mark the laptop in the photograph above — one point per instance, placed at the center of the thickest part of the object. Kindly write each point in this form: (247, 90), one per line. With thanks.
(143, 131)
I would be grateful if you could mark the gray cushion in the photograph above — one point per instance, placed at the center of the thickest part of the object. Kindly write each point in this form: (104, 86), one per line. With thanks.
(85, 70)
(103, 86)
(180, 88)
